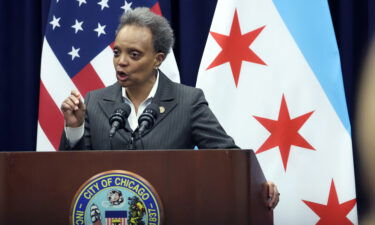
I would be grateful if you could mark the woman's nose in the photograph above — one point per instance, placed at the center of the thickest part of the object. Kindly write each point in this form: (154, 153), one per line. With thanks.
(122, 60)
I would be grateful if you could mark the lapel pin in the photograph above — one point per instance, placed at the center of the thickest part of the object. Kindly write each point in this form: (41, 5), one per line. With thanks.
(162, 109)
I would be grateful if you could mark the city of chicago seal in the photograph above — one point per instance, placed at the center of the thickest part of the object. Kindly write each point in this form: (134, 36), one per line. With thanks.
(116, 197)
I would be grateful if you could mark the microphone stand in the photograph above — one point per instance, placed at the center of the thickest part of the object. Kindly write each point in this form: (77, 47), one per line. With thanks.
(135, 135)
(132, 141)
(110, 142)
(131, 144)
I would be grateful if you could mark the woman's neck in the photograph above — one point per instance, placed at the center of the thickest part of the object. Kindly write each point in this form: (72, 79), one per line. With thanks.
(139, 93)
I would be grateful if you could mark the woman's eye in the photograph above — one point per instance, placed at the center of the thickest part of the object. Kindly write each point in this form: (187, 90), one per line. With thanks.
(116, 52)
(134, 55)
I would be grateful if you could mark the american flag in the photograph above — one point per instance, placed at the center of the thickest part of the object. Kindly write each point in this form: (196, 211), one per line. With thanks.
(116, 217)
(77, 54)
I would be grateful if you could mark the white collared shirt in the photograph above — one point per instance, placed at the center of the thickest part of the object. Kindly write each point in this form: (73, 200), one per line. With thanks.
(74, 134)
(133, 117)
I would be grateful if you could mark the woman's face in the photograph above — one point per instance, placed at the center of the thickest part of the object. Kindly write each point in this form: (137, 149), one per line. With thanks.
(134, 56)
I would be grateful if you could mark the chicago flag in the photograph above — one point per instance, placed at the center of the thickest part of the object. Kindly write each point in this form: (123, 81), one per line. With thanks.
(271, 73)
(77, 54)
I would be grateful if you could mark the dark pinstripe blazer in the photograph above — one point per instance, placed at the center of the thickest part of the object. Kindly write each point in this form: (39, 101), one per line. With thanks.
(186, 122)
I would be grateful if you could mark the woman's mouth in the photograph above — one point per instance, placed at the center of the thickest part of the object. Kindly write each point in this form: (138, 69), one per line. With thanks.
(122, 76)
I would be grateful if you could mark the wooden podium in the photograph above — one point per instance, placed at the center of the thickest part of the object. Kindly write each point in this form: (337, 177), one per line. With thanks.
(196, 187)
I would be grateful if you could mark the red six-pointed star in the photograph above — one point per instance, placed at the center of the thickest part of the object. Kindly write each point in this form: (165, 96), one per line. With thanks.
(235, 48)
(333, 212)
(284, 132)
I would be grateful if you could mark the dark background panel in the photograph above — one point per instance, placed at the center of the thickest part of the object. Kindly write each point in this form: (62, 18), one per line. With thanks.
(22, 24)
(21, 36)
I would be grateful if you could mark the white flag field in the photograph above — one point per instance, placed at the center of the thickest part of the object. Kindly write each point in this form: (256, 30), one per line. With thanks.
(271, 73)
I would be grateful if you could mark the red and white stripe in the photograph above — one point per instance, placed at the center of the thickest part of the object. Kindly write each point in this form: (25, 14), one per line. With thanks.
(122, 221)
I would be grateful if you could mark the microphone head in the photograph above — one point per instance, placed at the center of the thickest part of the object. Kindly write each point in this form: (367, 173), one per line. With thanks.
(120, 115)
(150, 114)
(126, 108)
(153, 110)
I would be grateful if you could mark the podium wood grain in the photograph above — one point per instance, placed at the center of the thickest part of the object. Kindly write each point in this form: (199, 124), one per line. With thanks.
(196, 187)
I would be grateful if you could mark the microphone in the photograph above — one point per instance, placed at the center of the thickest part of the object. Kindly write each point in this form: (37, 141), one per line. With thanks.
(147, 119)
(118, 118)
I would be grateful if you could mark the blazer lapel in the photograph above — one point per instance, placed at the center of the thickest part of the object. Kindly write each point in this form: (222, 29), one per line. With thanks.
(111, 101)
(164, 98)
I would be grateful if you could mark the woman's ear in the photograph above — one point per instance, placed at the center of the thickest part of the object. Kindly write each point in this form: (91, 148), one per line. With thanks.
(159, 58)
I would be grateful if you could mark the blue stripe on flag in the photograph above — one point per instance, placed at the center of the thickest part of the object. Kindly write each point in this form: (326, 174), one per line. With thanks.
(310, 24)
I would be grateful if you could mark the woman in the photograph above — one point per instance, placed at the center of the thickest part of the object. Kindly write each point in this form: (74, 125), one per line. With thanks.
(143, 40)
